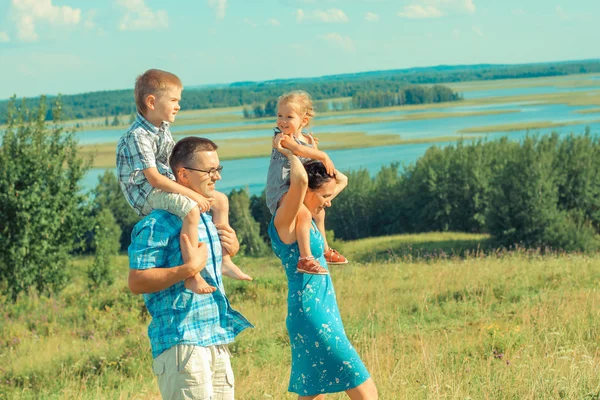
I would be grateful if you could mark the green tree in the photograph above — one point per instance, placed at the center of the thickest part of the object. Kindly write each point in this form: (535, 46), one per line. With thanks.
(108, 195)
(246, 227)
(42, 207)
(116, 121)
(105, 246)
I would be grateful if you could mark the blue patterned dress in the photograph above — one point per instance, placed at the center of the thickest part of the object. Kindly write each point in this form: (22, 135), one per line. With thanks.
(323, 360)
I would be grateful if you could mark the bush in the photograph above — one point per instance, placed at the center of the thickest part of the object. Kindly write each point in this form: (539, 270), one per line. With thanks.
(105, 246)
(108, 195)
(42, 208)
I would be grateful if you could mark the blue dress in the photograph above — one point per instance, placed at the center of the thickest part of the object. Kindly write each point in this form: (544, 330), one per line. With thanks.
(323, 360)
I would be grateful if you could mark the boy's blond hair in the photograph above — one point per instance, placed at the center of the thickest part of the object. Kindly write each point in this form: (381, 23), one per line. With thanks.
(153, 82)
(300, 101)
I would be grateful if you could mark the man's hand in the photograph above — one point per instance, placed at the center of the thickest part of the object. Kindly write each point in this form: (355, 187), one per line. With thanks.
(194, 258)
(229, 239)
(328, 165)
(204, 204)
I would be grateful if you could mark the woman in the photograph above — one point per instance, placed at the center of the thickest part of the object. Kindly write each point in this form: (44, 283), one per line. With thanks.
(323, 360)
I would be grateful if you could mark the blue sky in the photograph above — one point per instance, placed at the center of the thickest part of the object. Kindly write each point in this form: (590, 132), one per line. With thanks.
(74, 46)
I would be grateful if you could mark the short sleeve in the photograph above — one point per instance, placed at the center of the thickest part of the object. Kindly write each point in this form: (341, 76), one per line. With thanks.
(150, 245)
(141, 149)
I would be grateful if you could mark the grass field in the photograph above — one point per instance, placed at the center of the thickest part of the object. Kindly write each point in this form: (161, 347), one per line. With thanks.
(433, 316)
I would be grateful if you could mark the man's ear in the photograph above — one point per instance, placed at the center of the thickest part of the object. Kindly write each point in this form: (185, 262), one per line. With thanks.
(150, 101)
(181, 175)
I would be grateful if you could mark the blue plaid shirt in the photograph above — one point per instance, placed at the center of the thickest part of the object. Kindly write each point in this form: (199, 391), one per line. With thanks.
(143, 146)
(180, 316)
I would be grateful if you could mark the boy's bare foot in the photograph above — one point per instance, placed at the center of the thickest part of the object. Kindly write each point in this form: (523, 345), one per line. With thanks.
(233, 271)
(198, 285)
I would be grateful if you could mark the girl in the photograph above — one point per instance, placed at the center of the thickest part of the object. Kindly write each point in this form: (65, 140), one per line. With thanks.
(294, 112)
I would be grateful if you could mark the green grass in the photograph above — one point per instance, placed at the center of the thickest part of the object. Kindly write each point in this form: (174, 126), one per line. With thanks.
(521, 126)
(432, 317)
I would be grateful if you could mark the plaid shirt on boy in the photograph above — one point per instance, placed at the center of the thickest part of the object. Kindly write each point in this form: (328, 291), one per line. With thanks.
(180, 316)
(143, 146)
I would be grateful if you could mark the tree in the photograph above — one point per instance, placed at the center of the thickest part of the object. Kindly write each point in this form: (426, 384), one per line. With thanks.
(108, 195)
(115, 121)
(42, 208)
(246, 227)
(105, 245)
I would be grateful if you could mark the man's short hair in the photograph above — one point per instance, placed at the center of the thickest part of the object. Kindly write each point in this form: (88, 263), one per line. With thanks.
(153, 82)
(185, 151)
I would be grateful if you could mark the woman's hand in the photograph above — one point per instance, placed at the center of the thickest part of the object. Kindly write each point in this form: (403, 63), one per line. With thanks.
(279, 147)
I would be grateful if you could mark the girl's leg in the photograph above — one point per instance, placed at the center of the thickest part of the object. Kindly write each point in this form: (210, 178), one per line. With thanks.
(331, 255)
(317, 397)
(195, 283)
(320, 221)
(364, 391)
(307, 263)
(220, 213)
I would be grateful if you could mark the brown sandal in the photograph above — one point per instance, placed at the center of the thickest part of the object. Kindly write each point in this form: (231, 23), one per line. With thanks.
(309, 265)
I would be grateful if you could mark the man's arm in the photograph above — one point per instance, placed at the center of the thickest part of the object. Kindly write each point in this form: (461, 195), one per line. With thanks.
(156, 279)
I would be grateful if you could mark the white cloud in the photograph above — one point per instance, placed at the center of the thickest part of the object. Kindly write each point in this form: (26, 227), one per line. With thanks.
(27, 13)
(437, 8)
(338, 40)
(273, 22)
(519, 12)
(419, 12)
(477, 30)
(456, 32)
(561, 13)
(248, 21)
(328, 16)
(139, 16)
(219, 7)
(371, 17)
(89, 20)
(331, 15)
(4, 38)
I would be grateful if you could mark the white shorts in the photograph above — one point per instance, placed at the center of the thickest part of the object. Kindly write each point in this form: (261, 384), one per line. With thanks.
(174, 203)
(195, 372)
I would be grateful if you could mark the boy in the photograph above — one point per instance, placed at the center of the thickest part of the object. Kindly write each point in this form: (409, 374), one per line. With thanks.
(143, 167)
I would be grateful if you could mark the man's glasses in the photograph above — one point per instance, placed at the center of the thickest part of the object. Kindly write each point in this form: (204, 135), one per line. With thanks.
(211, 172)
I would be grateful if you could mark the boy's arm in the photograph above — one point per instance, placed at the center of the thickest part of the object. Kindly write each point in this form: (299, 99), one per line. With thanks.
(307, 152)
(165, 184)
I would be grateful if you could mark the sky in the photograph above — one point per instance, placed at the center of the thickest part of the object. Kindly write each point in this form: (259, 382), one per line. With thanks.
(76, 46)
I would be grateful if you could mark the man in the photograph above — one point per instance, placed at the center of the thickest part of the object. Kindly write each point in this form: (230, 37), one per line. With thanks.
(188, 333)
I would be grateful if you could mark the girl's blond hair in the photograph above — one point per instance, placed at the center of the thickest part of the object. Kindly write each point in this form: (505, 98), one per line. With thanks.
(300, 101)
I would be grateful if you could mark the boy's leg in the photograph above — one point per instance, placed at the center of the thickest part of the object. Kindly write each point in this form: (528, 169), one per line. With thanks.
(332, 256)
(188, 211)
(220, 212)
(195, 283)
(307, 263)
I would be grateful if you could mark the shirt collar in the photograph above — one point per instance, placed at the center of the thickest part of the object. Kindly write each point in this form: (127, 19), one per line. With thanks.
(149, 126)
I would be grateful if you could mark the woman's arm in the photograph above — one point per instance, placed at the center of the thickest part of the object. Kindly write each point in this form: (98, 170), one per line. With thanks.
(285, 218)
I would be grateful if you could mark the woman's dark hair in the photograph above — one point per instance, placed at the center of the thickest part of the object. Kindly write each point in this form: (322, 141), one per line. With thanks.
(317, 174)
